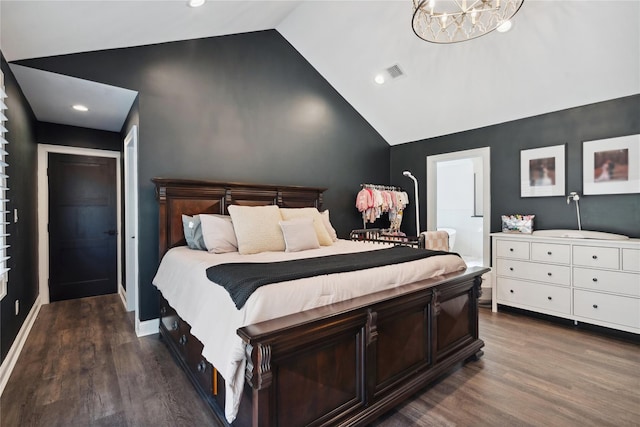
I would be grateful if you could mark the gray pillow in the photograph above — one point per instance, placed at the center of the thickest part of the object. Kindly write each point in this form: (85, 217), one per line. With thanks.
(193, 232)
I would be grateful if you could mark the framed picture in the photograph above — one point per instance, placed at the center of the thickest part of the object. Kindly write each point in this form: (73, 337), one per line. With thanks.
(542, 172)
(611, 166)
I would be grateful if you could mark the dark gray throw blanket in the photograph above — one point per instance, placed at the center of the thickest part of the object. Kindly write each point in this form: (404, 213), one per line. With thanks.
(243, 278)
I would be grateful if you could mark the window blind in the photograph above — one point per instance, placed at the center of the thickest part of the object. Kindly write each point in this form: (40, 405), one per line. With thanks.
(4, 254)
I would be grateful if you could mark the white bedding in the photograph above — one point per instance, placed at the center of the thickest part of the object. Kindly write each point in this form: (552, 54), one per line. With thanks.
(214, 318)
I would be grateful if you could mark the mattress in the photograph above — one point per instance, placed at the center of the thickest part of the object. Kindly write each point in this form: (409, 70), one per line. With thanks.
(214, 319)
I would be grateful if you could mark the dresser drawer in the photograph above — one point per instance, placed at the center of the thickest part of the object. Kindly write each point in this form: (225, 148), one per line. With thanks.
(548, 273)
(631, 260)
(551, 252)
(535, 295)
(614, 309)
(592, 256)
(512, 249)
(607, 281)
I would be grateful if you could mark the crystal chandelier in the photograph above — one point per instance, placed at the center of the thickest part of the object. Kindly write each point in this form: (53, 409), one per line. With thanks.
(452, 21)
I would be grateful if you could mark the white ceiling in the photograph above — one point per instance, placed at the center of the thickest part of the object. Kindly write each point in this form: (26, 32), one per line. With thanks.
(52, 95)
(559, 54)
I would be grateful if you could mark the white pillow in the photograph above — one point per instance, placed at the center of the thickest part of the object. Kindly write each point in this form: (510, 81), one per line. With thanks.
(321, 232)
(299, 235)
(257, 228)
(218, 233)
(328, 226)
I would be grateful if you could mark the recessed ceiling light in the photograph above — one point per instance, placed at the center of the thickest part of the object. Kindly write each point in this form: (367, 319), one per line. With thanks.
(504, 27)
(379, 79)
(80, 107)
(195, 3)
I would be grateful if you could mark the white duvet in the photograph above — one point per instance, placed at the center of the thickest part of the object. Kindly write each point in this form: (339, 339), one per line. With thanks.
(214, 318)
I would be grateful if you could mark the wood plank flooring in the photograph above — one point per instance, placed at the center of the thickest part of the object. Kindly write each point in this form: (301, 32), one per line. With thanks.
(82, 365)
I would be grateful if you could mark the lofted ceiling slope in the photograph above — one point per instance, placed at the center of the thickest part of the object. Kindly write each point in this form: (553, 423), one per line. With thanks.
(559, 54)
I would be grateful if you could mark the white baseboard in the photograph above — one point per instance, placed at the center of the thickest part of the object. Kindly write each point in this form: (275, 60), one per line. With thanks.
(14, 352)
(123, 295)
(147, 327)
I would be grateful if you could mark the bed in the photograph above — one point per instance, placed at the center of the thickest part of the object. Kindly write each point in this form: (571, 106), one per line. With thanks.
(342, 360)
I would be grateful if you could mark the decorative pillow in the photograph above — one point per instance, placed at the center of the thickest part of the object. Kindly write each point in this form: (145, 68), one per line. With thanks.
(257, 228)
(328, 226)
(219, 236)
(299, 235)
(294, 213)
(193, 232)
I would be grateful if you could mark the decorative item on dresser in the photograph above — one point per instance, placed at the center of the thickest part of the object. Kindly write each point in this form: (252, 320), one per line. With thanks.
(340, 364)
(586, 280)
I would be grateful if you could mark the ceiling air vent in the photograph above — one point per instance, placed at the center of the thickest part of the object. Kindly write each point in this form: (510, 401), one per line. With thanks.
(395, 71)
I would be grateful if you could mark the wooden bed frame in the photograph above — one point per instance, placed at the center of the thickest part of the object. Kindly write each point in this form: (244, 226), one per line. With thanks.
(344, 364)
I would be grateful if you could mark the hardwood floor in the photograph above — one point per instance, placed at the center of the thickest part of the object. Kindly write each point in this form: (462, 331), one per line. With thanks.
(82, 365)
(534, 373)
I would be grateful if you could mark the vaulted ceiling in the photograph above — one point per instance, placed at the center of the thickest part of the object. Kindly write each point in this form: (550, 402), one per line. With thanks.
(558, 55)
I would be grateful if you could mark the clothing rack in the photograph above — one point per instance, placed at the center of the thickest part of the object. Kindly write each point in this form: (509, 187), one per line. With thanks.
(388, 205)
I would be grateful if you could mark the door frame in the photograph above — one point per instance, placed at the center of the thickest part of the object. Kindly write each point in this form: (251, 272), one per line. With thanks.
(43, 212)
(131, 219)
(432, 186)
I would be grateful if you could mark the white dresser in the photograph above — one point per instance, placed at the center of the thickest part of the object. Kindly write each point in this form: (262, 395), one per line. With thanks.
(586, 280)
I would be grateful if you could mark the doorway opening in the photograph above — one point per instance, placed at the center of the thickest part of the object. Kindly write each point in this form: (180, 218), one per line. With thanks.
(43, 210)
(459, 201)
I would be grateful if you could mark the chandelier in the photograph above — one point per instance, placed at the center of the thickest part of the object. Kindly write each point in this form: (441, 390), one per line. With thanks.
(452, 21)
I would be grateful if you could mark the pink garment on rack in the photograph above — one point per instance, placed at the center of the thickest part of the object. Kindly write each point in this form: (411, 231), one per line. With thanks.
(364, 200)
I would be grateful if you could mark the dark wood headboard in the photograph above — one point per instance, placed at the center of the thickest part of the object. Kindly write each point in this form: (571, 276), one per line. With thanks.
(191, 197)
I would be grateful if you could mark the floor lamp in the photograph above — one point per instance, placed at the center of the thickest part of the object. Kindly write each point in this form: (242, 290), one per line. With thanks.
(415, 189)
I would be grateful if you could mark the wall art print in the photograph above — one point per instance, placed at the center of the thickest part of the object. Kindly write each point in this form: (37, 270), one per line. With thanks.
(611, 166)
(542, 171)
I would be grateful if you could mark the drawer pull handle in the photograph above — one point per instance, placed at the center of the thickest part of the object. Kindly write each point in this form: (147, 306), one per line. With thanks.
(510, 268)
(202, 366)
(549, 298)
(595, 305)
(595, 257)
(511, 290)
(595, 279)
(175, 325)
(510, 249)
(183, 340)
(549, 253)
(549, 274)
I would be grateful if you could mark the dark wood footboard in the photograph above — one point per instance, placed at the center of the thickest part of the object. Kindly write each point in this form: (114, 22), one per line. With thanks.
(347, 363)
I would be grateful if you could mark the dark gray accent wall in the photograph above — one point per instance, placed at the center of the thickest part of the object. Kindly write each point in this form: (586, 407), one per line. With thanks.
(618, 213)
(74, 136)
(23, 239)
(245, 108)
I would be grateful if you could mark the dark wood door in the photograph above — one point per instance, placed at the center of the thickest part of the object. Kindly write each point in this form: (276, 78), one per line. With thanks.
(82, 226)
